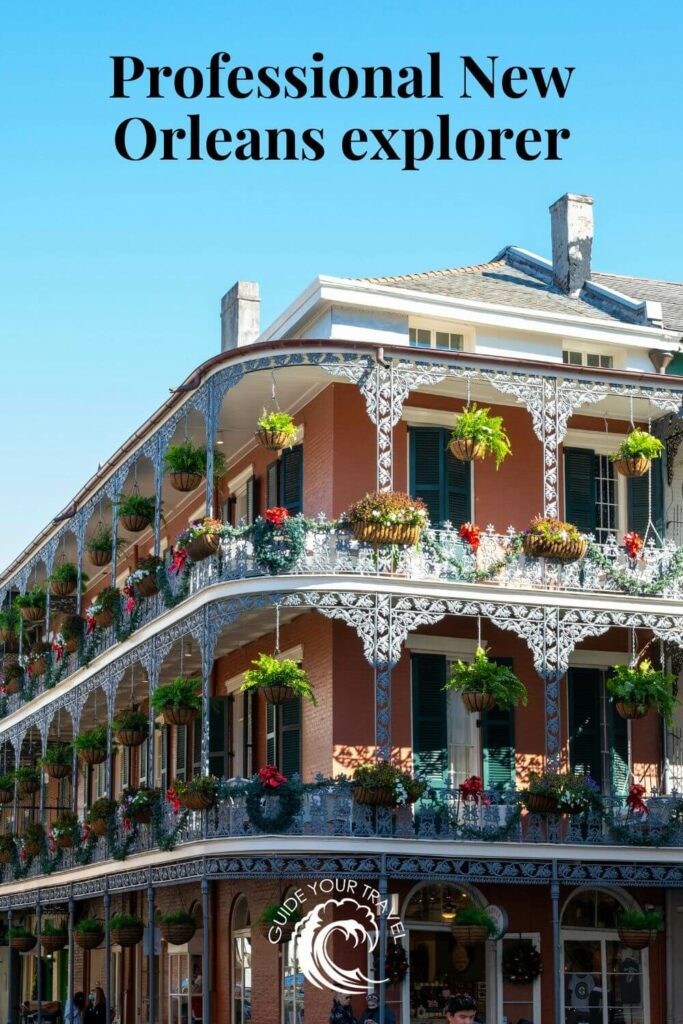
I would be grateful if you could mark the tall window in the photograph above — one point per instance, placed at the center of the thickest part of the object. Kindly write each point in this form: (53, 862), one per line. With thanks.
(442, 481)
(598, 737)
(283, 736)
(285, 480)
(241, 962)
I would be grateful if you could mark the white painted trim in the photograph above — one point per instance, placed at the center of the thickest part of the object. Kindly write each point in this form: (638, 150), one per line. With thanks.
(535, 939)
(234, 683)
(240, 481)
(451, 646)
(599, 441)
(427, 417)
(598, 659)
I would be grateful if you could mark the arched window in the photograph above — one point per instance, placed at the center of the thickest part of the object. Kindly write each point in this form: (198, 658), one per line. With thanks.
(241, 961)
(603, 980)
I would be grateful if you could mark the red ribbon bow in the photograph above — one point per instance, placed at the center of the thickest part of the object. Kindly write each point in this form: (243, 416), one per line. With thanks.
(277, 515)
(633, 543)
(271, 777)
(89, 624)
(126, 825)
(172, 798)
(29, 671)
(473, 789)
(85, 831)
(58, 650)
(635, 799)
(179, 559)
(130, 594)
(471, 533)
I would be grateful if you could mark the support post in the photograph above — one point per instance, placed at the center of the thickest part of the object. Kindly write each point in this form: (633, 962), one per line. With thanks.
(72, 965)
(39, 959)
(383, 889)
(150, 951)
(206, 953)
(10, 972)
(557, 945)
(74, 777)
(107, 947)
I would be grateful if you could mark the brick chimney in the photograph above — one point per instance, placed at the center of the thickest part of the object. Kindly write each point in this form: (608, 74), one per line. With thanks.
(240, 315)
(571, 222)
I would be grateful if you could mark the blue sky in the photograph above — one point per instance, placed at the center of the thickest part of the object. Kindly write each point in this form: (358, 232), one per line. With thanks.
(112, 272)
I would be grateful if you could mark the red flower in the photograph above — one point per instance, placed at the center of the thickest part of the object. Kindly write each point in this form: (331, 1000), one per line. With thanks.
(271, 777)
(472, 789)
(635, 799)
(126, 824)
(130, 594)
(179, 559)
(276, 515)
(633, 543)
(172, 797)
(471, 533)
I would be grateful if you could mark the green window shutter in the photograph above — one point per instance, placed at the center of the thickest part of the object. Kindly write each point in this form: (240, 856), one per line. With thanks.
(273, 484)
(252, 499)
(443, 482)
(218, 727)
(289, 722)
(585, 685)
(430, 733)
(579, 488)
(271, 724)
(498, 744)
(638, 500)
(292, 479)
(181, 752)
(618, 744)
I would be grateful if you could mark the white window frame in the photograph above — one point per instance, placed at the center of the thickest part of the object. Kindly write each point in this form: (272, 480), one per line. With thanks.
(601, 443)
(569, 934)
(588, 348)
(419, 323)
(535, 939)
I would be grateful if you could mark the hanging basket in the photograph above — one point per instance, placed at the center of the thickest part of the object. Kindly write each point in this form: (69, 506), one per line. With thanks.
(23, 943)
(89, 940)
(33, 614)
(204, 546)
(100, 558)
(71, 646)
(53, 943)
(375, 534)
(92, 755)
(196, 801)
(466, 449)
(185, 481)
(636, 938)
(64, 842)
(61, 588)
(179, 716)
(470, 934)
(127, 937)
(5, 856)
(28, 787)
(134, 523)
(631, 710)
(148, 586)
(539, 803)
(6, 796)
(632, 467)
(143, 816)
(32, 849)
(274, 440)
(12, 686)
(374, 797)
(475, 701)
(278, 694)
(99, 826)
(58, 771)
(558, 550)
(177, 934)
(38, 667)
(104, 618)
(131, 737)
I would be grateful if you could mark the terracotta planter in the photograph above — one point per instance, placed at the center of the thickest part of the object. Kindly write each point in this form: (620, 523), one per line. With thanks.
(38, 668)
(104, 618)
(374, 533)
(32, 849)
(204, 546)
(177, 934)
(100, 558)
(179, 716)
(58, 771)
(278, 694)
(474, 701)
(383, 797)
(92, 756)
(28, 788)
(148, 586)
(559, 551)
(636, 938)
(89, 940)
(185, 481)
(274, 440)
(144, 816)
(131, 737)
(71, 646)
(134, 523)
(10, 661)
(127, 937)
(65, 842)
(539, 803)
(6, 796)
(466, 449)
(60, 588)
(99, 826)
(32, 614)
(5, 856)
(12, 686)
(628, 709)
(23, 943)
(470, 934)
(53, 943)
(7, 636)
(196, 801)
(632, 467)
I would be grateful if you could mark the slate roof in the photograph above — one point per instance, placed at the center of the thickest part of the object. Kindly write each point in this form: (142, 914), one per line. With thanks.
(513, 279)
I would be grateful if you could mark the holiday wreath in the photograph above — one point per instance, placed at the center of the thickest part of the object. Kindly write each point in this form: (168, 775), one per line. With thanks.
(522, 964)
(259, 793)
(395, 962)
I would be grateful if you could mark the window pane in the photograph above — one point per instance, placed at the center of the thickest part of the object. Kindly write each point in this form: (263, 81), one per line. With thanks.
(412, 336)
(606, 362)
(575, 359)
(592, 359)
(424, 338)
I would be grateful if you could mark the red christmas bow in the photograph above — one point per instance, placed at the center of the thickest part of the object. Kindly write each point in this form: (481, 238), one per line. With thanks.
(85, 831)
(51, 842)
(130, 594)
(179, 559)
(635, 799)
(89, 624)
(276, 515)
(472, 789)
(29, 671)
(58, 650)
(172, 797)
(471, 533)
(633, 543)
(271, 777)
(126, 825)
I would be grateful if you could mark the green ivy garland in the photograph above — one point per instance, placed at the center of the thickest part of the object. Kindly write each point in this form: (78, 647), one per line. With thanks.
(183, 589)
(626, 579)
(279, 548)
(84, 850)
(167, 840)
(289, 795)
(627, 834)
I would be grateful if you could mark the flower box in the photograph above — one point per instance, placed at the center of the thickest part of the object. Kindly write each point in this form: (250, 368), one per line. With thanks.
(559, 550)
(203, 546)
(374, 797)
(196, 801)
(376, 533)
